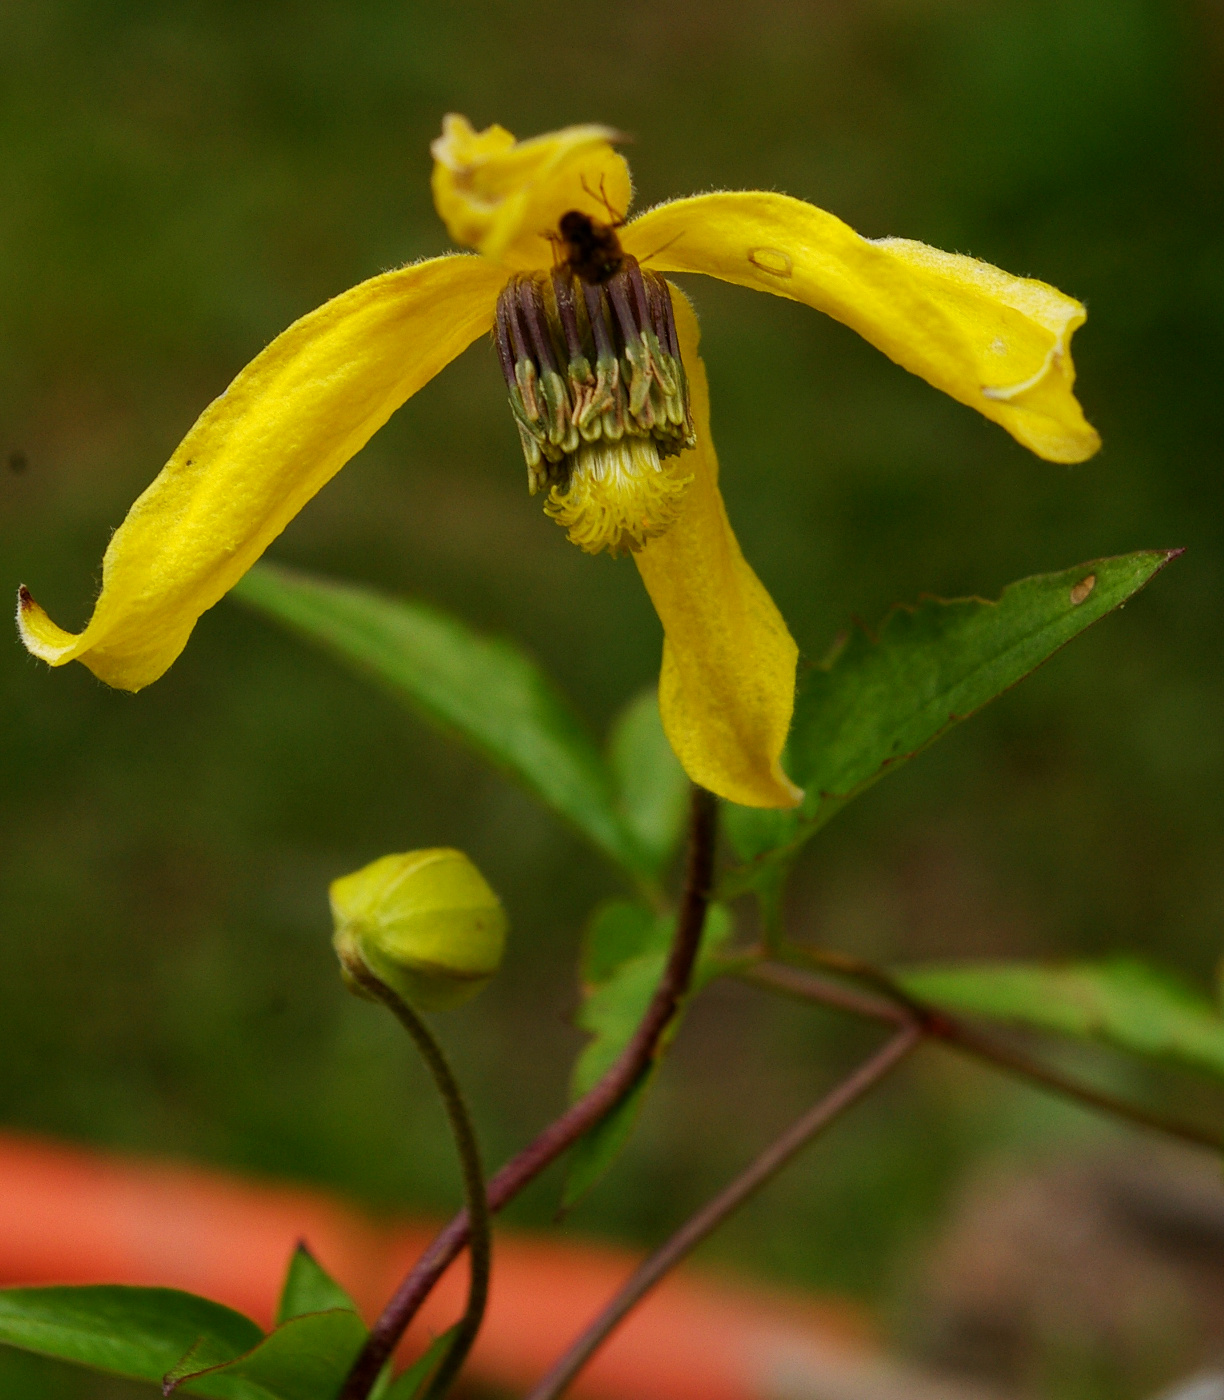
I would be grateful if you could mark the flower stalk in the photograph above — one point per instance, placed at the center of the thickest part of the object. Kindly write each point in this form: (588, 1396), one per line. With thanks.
(476, 1210)
(578, 1119)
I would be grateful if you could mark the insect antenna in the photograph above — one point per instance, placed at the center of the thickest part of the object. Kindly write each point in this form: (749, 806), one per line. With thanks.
(662, 248)
(601, 195)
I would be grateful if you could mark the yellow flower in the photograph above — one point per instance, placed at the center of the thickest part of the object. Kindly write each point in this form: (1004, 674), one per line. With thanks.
(627, 458)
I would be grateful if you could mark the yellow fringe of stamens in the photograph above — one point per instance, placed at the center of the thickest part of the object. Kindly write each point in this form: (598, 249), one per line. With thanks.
(619, 496)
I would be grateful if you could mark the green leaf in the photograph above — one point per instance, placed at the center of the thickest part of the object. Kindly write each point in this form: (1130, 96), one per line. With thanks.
(482, 690)
(618, 931)
(411, 1383)
(309, 1288)
(886, 698)
(626, 952)
(879, 700)
(1122, 1002)
(594, 1153)
(651, 788)
(138, 1333)
(617, 998)
(306, 1358)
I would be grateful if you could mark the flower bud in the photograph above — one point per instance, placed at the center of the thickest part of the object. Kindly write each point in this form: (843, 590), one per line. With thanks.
(425, 923)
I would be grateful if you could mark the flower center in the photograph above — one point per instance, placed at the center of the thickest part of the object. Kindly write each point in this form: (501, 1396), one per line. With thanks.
(599, 394)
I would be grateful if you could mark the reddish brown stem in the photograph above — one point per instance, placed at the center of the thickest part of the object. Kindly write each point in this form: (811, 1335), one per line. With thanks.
(714, 1212)
(940, 1026)
(807, 987)
(564, 1131)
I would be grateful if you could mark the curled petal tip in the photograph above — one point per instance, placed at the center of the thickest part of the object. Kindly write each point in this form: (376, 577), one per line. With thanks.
(792, 793)
(306, 404)
(41, 636)
(772, 788)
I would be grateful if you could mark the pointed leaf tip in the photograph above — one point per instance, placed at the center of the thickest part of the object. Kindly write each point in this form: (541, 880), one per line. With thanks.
(309, 1288)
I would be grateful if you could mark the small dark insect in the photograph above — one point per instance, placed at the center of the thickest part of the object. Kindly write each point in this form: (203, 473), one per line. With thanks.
(590, 250)
(17, 461)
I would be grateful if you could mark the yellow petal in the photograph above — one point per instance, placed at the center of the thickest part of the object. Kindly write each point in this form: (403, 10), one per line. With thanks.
(998, 343)
(258, 453)
(502, 197)
(727, 687)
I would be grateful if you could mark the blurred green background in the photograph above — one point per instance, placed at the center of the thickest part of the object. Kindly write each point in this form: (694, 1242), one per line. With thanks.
(182, 180)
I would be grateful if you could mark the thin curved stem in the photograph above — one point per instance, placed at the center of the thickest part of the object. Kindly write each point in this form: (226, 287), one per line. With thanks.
(729, 1199)
(776, 977)
(1015, 1062)
(477, 1209)
(581, 1116)
(940, 1026)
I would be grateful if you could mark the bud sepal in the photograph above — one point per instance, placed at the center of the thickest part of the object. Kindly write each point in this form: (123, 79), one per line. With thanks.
(425, 923)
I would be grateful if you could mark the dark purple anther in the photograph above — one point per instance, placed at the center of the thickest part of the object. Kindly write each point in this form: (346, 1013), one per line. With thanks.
(634, 272)
(532, 304)
(502, 339)
(618, 289)
(567, 310)
(669, 317)
(599, 327)
(518, 339)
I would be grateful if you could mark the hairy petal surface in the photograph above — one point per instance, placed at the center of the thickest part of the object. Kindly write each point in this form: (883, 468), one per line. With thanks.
(998, 343)
(727, 687)
(502, 196)
(258, 453)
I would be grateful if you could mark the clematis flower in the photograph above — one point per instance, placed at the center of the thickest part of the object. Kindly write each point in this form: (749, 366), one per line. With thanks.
(608, 391)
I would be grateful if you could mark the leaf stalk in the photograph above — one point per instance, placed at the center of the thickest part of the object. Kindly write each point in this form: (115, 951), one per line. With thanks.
(892, 1004)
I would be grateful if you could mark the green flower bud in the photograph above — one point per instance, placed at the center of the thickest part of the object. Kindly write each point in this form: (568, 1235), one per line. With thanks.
(425, 923)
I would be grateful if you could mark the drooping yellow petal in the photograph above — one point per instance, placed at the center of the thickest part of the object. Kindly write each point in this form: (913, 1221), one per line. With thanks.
(998, 343)
(502, 196)
(727, 687)
(258, 453)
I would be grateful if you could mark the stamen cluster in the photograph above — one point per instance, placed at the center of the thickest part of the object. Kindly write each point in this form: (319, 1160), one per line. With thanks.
(599, 394)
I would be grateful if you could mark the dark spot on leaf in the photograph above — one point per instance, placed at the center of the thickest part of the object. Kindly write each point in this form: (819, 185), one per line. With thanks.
(17, 461)
(1082, 589)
